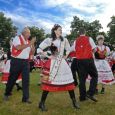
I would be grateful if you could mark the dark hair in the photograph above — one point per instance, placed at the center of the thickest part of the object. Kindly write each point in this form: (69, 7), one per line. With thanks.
(82, 31)
(53, 49)
(53, 35)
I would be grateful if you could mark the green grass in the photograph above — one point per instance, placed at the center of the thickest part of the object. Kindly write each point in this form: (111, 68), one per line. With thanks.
(57, 103)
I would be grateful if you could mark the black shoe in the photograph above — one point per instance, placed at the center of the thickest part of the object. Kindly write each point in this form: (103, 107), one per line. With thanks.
(92, 98)
(75, 104)
(19, 88)
(83, 99)
(102, 91)
(26, 101)
(10, 94)
(6, 98)
(42, 106)
(39, 84)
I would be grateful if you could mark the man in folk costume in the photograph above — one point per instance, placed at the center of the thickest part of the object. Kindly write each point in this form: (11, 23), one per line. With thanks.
(105, 75)
(21, 49)
(59, 76)
(84, 47)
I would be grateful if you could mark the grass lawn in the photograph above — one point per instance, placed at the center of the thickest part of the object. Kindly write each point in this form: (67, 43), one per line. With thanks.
(57, 103)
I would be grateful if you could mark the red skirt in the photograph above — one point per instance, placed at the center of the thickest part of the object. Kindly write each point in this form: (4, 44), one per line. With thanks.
(56, 88)
(5, 77)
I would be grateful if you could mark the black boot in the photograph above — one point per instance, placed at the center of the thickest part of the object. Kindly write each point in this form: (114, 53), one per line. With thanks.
(102, 90)
(18, 87)
(75, 104)
(42, 106)
(42, 102)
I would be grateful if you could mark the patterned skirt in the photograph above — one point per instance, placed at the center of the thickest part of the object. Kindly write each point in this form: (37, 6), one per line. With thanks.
(105, 75)
(58, 84)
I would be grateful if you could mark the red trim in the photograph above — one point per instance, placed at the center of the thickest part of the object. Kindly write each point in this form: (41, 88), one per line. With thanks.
(16, 52)
(72, 54)
(108, 81)
(54, 88)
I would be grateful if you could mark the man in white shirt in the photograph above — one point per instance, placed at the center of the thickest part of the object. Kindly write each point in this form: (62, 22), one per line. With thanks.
(20, 51)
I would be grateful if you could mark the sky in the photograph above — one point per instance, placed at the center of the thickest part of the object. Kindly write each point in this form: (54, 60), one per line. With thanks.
(45, 13)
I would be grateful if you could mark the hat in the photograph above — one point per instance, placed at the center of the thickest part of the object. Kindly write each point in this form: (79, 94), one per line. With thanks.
(100, 37)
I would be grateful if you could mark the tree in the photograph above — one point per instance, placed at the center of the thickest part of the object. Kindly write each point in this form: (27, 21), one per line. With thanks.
(92, 29)
(111, 32)
(39, 33)
(48, 35)
(7, 30)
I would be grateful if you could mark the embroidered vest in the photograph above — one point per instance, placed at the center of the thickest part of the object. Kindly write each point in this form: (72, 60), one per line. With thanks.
(14, 51)
(83, 48)
(102, 54)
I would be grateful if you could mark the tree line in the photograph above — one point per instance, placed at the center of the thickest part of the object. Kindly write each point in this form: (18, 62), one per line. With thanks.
(8, 30)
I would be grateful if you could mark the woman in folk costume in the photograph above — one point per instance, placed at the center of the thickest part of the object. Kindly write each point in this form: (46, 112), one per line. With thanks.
(59, 77)
(105, 75)
(7, 69)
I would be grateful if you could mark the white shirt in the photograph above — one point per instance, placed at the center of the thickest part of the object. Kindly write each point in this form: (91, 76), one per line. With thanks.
(47, 42)
(90, 41)
(25, 52)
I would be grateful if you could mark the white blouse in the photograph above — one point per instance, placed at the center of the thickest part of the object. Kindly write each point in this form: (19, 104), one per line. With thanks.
(48, 41)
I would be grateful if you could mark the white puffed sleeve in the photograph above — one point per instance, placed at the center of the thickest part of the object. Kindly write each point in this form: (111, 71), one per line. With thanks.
(113, 55)
(44, 44)
(92, 43)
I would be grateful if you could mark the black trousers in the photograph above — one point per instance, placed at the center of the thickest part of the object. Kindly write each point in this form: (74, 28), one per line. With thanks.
(74, 70)
(31, 65)
(18, 66)
(85, 67)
